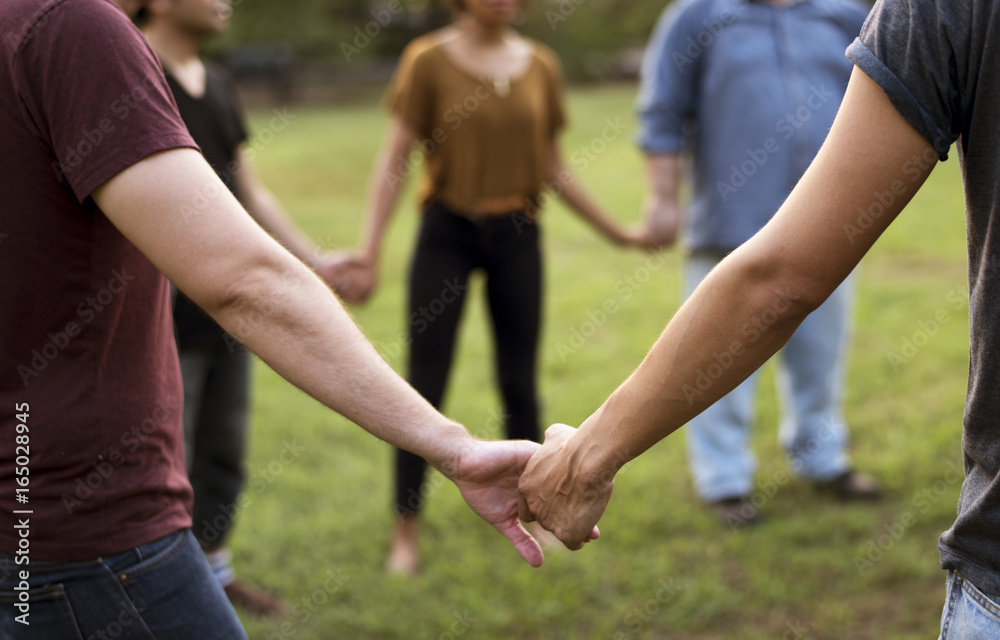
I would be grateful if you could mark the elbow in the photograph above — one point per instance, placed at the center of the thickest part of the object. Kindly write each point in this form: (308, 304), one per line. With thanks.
(776, 284)
(236, 296)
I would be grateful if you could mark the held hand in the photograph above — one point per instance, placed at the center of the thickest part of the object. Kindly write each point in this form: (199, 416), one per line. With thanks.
(349, 274)
(487, 476)
(642, 238)
(556, 494)
(663, 220)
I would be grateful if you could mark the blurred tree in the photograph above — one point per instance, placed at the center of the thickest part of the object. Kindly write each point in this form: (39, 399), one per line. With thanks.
(594, 38)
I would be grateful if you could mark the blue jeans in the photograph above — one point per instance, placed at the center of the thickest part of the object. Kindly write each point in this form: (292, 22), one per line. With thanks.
(810, 381)
(163, 590)
(968, 613)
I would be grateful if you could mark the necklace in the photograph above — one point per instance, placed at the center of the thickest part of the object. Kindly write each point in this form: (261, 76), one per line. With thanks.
(501, 86)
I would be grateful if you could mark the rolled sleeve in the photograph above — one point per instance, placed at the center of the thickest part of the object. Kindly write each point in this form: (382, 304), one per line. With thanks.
(901, 97)
(668, 91)
(909, 49)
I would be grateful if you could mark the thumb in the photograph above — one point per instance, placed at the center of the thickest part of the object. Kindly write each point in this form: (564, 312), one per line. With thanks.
(526, 546)
(559, 432)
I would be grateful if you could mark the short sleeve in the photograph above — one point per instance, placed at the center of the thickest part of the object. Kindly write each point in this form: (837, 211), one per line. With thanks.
(94, 90)
(411, 91)
(555, 90)
(914, 50)
(668, 91)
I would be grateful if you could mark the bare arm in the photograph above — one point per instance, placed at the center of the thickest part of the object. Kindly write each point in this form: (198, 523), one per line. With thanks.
(662, 206)
(744, 311)
(269, 214)
(282, 311)
(577, 198)
(384, 189)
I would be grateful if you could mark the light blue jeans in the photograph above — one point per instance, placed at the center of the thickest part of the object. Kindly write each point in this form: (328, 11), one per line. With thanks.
(810, 382)
(968, 613)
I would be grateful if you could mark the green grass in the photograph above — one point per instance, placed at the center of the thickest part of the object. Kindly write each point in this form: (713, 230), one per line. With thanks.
(663, 567)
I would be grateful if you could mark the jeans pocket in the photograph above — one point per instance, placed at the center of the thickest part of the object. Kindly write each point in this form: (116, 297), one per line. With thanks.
(47, 616)
(972, 614)
(174, 593)
(166, 549)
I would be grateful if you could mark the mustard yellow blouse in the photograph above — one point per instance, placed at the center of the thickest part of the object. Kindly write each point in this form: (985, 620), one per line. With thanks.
(486, 140)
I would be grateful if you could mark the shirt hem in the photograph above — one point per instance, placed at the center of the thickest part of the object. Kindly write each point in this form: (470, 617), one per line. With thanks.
(986, 579)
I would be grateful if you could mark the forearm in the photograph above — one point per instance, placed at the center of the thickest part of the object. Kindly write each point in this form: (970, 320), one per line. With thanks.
(383, 196)
(284, 314)
(663, 177)
(736, 319)
(268, 300)
(385, 188)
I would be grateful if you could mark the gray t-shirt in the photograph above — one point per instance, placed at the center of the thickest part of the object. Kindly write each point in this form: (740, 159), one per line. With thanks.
(939, 63)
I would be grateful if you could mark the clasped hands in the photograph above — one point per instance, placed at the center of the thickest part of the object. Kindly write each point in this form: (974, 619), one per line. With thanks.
(352, 275)
(507, 482)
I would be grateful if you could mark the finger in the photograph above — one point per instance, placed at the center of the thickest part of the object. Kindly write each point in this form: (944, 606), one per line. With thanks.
(595, 533)
(526, 546)
(571, 544)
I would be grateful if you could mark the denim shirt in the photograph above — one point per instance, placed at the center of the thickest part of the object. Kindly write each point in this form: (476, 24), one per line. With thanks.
(750, 89)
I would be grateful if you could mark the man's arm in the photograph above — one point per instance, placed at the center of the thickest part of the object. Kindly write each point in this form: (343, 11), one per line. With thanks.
(746, 309)
(662, 208)
(281, 310)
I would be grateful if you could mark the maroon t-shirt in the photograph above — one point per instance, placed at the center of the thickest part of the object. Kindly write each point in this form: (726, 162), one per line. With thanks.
(88, 359)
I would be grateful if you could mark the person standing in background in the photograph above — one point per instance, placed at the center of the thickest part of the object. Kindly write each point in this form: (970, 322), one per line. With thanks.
(215, 368)
(485, 106)
(751, 88)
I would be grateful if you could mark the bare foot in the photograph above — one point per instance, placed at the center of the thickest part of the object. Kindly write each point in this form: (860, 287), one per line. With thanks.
(404, 557)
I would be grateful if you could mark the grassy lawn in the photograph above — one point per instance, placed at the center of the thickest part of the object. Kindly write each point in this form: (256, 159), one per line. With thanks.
(317, 524)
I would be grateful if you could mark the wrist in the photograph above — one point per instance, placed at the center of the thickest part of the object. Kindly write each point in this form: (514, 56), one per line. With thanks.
(618, 236)
(594, 456)
(452, 444)
(368, 257)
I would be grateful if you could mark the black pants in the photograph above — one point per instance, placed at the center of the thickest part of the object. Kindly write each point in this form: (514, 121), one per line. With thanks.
(449, 248)
(216, 412)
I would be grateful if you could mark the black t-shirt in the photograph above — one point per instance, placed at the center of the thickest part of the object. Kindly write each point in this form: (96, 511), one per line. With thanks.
(215, 121)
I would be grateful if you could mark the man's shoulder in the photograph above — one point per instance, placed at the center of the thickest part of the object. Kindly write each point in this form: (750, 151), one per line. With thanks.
(23, 21)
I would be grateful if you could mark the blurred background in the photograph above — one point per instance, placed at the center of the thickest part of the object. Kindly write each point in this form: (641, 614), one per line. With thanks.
(301, 50)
